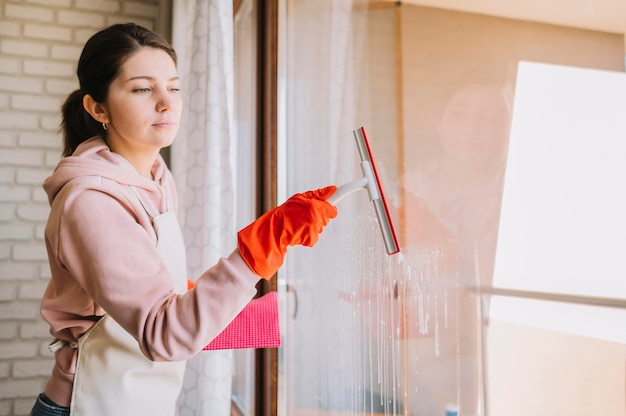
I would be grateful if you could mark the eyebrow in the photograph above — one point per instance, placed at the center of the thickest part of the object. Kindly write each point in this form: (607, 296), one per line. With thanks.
(176, 78)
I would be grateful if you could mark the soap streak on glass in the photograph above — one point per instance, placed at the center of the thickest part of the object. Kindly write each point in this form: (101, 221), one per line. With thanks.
(390, 299)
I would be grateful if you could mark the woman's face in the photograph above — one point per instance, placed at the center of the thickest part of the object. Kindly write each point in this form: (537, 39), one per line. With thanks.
(144, 105)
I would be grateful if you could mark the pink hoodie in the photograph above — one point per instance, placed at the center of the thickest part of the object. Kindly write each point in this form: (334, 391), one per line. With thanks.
(103, 258)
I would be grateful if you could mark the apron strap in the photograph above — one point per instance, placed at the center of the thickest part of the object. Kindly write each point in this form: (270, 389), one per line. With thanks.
(136, 192)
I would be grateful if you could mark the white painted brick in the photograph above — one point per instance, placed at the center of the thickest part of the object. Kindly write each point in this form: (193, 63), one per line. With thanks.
(14, 194)
(80, 19)
(12, 29)
(8, 330)
(37, 330)
(19, 311)
(7, 175)
(7, 212)
(66, 53)
(9, 65)
(31, 291)
(140, 9)
(29, 252)
(8, 293)
(51, 123)
(29, 13)
(22, 407)
(44, 271)
(21, 84)
(38, 140)
(40, 231)
(20, 157)
(5, 370)
(47, 32)
(23, 48)
(27, 176)
(44, 342)
(35, 102)
(106, 6)
(10, 271)
(6, 408)
(148, 24)
(82, 35)
(18, 121)
(44, 351)
(49, 69)
(8, 139)
(17, 232)
(5, 251)
(61, 86)
(39, 195)
(33, 212)
(55, 3)
(52, 158)
(19, 388)
(4, 101)
(32, 368)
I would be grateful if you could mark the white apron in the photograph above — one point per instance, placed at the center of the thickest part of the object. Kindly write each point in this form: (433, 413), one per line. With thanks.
(113, 377)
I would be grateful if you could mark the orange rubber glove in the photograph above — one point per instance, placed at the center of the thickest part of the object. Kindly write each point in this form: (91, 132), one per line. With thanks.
(298, 221)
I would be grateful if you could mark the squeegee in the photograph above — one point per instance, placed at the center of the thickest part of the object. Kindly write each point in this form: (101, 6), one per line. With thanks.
(371, 182)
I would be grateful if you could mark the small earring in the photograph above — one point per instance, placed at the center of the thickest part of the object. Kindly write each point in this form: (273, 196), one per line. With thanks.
(104, 126)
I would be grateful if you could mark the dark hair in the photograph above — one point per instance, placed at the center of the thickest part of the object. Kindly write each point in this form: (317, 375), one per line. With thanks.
(100, 62)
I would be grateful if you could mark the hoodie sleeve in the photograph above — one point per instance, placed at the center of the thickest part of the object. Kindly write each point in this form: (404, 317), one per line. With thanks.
(114, 259)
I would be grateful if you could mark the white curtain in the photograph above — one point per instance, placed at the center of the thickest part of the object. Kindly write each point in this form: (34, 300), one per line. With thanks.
(202, 165)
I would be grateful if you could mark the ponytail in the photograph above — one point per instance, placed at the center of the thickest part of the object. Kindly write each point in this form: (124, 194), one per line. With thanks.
(77, 125)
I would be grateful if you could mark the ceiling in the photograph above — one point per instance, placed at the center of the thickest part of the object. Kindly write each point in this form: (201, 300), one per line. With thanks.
(601, 15)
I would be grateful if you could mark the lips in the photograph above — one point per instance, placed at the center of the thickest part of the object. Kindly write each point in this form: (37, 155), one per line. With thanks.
(164, 124)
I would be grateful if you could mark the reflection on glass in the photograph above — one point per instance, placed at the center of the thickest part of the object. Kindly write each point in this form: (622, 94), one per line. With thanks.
(563, 371)
(379, 334)
(451, 206)
(562, 233)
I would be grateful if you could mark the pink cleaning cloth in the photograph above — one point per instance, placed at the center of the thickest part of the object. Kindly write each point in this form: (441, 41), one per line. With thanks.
(256, 326)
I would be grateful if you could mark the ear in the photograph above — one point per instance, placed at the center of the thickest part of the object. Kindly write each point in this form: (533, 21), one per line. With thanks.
(97, 110)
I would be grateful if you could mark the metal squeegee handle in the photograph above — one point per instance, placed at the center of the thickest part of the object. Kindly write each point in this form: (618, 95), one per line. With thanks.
(365, 182)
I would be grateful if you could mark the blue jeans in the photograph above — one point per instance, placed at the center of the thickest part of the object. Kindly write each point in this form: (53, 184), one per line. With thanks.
(46, 407)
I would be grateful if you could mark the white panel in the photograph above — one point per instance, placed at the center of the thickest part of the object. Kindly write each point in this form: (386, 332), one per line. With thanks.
(563, 222)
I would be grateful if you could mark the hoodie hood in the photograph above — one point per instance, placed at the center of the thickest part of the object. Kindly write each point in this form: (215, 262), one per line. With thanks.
(94, 158)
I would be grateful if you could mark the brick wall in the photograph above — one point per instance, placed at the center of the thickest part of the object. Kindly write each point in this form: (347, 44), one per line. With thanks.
(40, 42)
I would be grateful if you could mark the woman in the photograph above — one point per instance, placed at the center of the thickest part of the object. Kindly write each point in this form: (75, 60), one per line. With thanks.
(117, 302)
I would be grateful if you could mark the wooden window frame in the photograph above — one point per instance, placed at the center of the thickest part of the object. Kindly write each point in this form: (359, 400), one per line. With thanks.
(265, 360)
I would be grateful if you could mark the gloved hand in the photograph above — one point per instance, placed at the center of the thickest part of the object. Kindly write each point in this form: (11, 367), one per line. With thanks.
(298, 221)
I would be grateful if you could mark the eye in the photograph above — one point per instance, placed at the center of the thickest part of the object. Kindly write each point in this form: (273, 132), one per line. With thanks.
(175, 89)
(140, 90)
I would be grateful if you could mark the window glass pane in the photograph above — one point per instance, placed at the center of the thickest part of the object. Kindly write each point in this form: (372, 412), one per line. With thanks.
(562, 231)
(245, 154)
(366, 332)
(557, 358)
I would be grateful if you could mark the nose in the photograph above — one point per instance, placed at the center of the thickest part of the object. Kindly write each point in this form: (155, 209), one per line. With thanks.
(164, 101)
